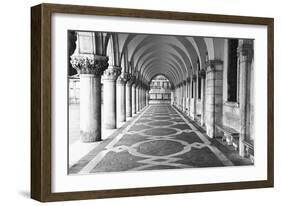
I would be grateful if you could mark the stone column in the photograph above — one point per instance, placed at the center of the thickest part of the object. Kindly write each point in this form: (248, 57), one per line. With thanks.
(180, 96)
(214, 77)
(143, 97)
(134, 98)
(194, 100)
(121, 97)
(129, 96)
(184, 96)
(137, 98)
(90, 69)
(140, 98)
(172, 97)
(175, 96)
(147, 97)
(245, 53)
(109, 96)
(189, 95)
(203, 98)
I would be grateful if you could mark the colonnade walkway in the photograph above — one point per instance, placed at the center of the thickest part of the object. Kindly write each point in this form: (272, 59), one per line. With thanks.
(159, 137)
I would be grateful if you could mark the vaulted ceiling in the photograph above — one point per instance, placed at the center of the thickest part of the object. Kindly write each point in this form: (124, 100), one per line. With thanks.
(147, 55)
(176, 57)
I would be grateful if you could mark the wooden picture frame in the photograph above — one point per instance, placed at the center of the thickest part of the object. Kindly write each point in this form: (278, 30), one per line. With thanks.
(41, 96)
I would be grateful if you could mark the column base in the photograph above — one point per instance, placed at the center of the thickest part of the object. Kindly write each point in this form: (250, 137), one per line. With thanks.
(210, 131)
(87, 137)
(110, 126)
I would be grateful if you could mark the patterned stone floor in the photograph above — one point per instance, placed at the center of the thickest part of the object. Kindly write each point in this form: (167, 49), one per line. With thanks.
(160, 137)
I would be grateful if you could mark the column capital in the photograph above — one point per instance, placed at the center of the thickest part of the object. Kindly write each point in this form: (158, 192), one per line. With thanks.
(132, 80)
(212, 64)
(184, 82)
(245, 50)
(123, 78)
(202, 73)
(111, 73)
(138, 83)
(194, 76)
(135, 84)
(89, 64)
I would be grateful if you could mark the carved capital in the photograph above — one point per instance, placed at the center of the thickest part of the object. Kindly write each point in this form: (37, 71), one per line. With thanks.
(89, 64)
(245, 51)
(194, 77)
(127, 76)
(213, 64)
(132, 80)
(184, 82)
(111, 73)
(202, 73)
(123, 78)
(140, 84)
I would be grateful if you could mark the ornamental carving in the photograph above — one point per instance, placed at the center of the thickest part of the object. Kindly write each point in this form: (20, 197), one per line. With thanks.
(245, 51)
(202, 73)
(212, 64)
(111, 73)
(89, 64)
(123, 78)
(132, 80)
(137, 82)
(194, 77)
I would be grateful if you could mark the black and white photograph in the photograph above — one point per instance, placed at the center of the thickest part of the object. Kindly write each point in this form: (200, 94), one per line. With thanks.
(156, 102)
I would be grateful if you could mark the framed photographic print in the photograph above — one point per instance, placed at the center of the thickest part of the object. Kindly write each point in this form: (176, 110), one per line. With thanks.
(130, 102)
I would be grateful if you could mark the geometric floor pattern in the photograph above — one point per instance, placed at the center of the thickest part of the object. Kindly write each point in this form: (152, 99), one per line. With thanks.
(160, 137)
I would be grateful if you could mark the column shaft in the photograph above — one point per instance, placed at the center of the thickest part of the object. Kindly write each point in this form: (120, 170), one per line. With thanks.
(245, 51)
(147, 97)
(194, 99)
(184, 96)
(203, 99)
(90, 108)
(128, 100)
(189, 96)
(137, 99)
(213, 96)
(109, 96)
(109, 104)
(121, 101)
(134, 99)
